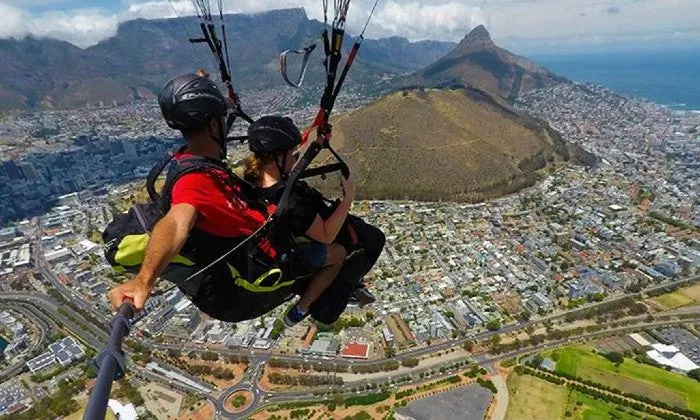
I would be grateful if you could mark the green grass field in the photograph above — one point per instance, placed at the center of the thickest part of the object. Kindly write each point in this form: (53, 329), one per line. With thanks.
(673, 300)
(679, 298)
(632, 377)
(585, 407)
(534, 398)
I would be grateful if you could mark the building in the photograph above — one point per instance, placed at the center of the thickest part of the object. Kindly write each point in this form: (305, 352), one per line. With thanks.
(354, 350)
(178, 378)
(157, 320)
(66, 351)
(185, 320)
(9, 233)
(548, 364)
(325, 345)
(71, 200)
(24, 257)
(399, 329)
(15, 348)
(310, 336)
(387, 336)
(217, 333)
(539, 301)
(42, 362)
(672, 357)
(57, 255)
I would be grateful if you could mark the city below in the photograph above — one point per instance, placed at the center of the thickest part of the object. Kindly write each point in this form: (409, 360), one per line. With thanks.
(586, 281)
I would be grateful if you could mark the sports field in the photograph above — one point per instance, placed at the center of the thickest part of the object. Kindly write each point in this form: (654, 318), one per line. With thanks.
(631, 377)
(534, 398)
(681, 297)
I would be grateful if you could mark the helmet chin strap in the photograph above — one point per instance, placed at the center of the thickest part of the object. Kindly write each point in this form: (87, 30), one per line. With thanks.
(220, 140)
(280, 168)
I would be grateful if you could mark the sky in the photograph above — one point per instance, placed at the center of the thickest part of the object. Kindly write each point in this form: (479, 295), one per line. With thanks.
(523, 25)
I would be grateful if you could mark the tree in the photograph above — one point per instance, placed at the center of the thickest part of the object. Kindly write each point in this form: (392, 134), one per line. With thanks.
(389, 352)
(615, 357)
(277, 329)
(695, 374)
(469, 345)
(210, 356)
(410, 362)
(494, 325)
(524, 316)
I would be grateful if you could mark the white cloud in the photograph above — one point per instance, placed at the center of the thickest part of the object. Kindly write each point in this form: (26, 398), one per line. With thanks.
(152, 9)
(79, 27)
(528, 21)
(416, 21)
(157, 9)
(14, 22)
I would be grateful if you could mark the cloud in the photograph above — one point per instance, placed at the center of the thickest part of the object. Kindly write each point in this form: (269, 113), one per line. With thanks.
(536, 20)
(157, 9)
(421, 21)
(14, 22)
(79, 27)
(153, 9)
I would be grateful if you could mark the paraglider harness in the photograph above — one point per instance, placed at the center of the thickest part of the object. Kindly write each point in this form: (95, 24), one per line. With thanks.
(250, 267)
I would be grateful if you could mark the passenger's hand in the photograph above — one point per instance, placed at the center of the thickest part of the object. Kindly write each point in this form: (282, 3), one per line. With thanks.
(137, 289)
(348, 186)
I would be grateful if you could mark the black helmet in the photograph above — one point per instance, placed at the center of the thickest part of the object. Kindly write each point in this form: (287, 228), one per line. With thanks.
(271, 134)
(189, 101)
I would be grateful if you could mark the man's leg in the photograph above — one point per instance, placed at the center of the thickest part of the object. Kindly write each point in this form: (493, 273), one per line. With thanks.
(335, 257)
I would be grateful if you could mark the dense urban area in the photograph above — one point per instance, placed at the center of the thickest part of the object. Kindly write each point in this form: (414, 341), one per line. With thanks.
(592, 264)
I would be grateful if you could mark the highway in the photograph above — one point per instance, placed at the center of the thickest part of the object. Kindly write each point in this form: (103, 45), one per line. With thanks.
(45, 329)
(96, 336)
(91, 335)
(258, 356)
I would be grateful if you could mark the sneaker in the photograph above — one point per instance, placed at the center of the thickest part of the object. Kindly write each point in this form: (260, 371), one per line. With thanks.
(293, 316)
(364, 296)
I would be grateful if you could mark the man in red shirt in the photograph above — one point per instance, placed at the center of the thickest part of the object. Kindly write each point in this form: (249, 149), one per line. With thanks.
(204, 201)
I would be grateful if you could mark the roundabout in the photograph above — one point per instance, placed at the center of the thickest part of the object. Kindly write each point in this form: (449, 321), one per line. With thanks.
(239, 401)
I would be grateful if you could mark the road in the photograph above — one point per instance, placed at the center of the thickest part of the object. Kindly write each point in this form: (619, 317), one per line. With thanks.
(96, 336)
(259, 357)
(45, 329)
(70, 295)
(502, 397)
(486, 361)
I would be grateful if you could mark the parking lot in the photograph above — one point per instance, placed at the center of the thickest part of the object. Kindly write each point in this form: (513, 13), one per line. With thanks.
(11, 393)
(686, 342)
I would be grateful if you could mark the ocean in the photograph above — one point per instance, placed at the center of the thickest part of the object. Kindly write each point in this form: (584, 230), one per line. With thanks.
(670, 78)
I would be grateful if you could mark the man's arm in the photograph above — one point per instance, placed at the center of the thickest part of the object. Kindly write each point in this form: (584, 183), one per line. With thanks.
(167, 238)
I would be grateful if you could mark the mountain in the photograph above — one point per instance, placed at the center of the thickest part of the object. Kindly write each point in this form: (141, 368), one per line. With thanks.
(478, 62)
(450, 144)
(450, 132)
(145, 53)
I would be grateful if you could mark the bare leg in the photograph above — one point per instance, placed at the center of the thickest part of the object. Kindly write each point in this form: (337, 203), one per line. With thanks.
(335, 257)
